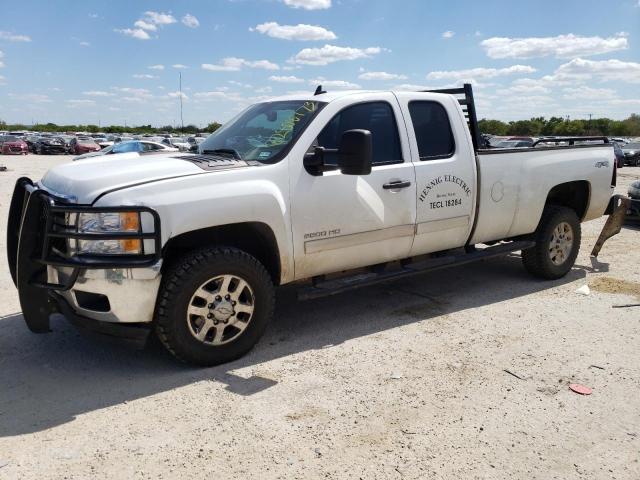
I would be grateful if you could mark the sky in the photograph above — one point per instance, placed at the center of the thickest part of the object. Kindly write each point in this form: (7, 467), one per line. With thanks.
(118, 62)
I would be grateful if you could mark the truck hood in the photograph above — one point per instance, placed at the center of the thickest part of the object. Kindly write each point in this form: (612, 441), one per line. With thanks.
(83, 181)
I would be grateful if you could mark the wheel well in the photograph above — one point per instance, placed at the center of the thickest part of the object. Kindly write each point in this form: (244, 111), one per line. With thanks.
(574, 195)
(255, 238)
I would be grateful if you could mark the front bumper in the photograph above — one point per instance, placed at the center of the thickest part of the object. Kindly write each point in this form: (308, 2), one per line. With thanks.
(46, 275)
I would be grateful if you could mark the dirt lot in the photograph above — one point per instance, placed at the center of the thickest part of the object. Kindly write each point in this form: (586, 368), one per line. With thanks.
(405, 380)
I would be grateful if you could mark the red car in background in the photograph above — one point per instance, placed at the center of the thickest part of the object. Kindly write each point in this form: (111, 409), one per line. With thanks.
(10, 145)
(82, 145)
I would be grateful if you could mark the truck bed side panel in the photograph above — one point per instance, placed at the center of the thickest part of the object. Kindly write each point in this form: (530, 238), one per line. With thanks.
(515, 186)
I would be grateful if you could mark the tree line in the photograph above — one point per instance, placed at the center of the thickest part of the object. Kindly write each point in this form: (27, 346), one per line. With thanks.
(115, 129)
(541, 126)
(537, 126)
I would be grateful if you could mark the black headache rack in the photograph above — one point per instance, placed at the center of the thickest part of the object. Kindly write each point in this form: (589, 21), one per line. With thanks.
(38, 235)
(469, 108)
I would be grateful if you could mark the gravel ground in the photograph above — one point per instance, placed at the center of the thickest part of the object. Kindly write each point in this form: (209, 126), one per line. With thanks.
(404, 380)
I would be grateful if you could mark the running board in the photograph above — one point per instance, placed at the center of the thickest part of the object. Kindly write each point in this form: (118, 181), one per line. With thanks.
(333, 287)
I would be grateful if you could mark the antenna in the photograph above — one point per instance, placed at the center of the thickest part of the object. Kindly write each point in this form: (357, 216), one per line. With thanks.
(181, 118)
(319, 90)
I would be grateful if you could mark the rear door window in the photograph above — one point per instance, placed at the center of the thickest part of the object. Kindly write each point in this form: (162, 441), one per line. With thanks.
(433, 130)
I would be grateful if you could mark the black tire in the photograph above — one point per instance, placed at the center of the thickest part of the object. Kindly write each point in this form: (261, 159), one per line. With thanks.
(178, 287)
(539, 260)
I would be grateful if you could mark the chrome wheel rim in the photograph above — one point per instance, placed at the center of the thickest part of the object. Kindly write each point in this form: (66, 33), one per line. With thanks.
(220, 310)
(561, 243)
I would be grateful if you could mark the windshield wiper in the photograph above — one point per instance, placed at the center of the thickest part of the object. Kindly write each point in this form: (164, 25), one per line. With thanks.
(224, 151)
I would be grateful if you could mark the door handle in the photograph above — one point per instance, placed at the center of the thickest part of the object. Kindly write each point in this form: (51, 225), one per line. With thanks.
(396, 184)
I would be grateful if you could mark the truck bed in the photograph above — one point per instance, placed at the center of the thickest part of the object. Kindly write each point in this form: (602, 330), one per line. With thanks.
(514, 185)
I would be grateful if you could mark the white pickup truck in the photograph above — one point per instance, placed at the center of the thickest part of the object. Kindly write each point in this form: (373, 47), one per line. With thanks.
(337, 189)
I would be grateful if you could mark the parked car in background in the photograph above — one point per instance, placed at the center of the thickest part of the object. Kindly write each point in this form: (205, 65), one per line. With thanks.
(632, 154)
(12, 145)
(67, 139)
(134, 147)
(80, 145)
(194, 142)
(617, 151)
(50, 146)
(31, 142)
(180, 143)
(513, 144)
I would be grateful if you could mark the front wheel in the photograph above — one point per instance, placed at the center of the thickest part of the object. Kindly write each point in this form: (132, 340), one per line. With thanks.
(557, 244)
(214, 306)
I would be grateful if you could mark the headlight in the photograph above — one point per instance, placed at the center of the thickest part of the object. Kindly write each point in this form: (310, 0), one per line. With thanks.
(109, 223)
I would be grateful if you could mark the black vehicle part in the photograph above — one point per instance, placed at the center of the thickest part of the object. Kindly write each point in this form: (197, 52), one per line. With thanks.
(36, 237)
(185, 278)
(323, 288)
(538, 260)
(469, 109)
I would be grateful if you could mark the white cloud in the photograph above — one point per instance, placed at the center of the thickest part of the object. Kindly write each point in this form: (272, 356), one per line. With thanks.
(84, 44)
(149, 22)
(338, 84)
(179, 65)
(479, 72)
(138, 92)
(138, 33)
(190, 21)
(330, 54)
(234, 64)
(81, 103)
(580, 69)
(309, 4)
(412, 87)
(300, 32)
(381, 76)
(144, 25)
(448, 34)
(143, 75)
(159, 18)
(12, 37)
(1, 55)
(286, 79)
(583, 92)
(177, 95)
(156, 67)
(30, 97)
(214, 95)
(97, 93)
(561, 46)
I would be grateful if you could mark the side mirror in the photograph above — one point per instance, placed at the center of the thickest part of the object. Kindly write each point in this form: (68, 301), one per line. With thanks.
(355, 153)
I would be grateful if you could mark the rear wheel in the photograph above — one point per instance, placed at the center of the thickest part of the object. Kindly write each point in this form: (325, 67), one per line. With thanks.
(214, 306)
(557, 244)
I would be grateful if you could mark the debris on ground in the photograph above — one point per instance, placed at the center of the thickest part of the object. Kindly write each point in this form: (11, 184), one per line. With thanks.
(596, 366)
(584, 290)
(519, 377)
(395, 376)
(3, 168)
(628, 305)
(581, 389)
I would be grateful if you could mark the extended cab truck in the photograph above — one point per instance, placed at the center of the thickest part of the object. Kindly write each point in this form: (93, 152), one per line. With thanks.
(382, 184)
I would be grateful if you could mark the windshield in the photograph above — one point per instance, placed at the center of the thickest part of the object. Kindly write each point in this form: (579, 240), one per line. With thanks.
(264, 131)
(632, 146)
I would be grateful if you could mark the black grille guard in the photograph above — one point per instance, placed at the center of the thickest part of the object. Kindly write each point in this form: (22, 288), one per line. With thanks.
(31, 232)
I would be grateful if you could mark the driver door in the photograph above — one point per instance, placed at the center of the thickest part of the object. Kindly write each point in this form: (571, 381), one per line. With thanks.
(341, 222)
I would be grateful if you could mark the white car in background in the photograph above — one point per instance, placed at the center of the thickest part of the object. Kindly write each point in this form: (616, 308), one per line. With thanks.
(133, 148)
(180, 143)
